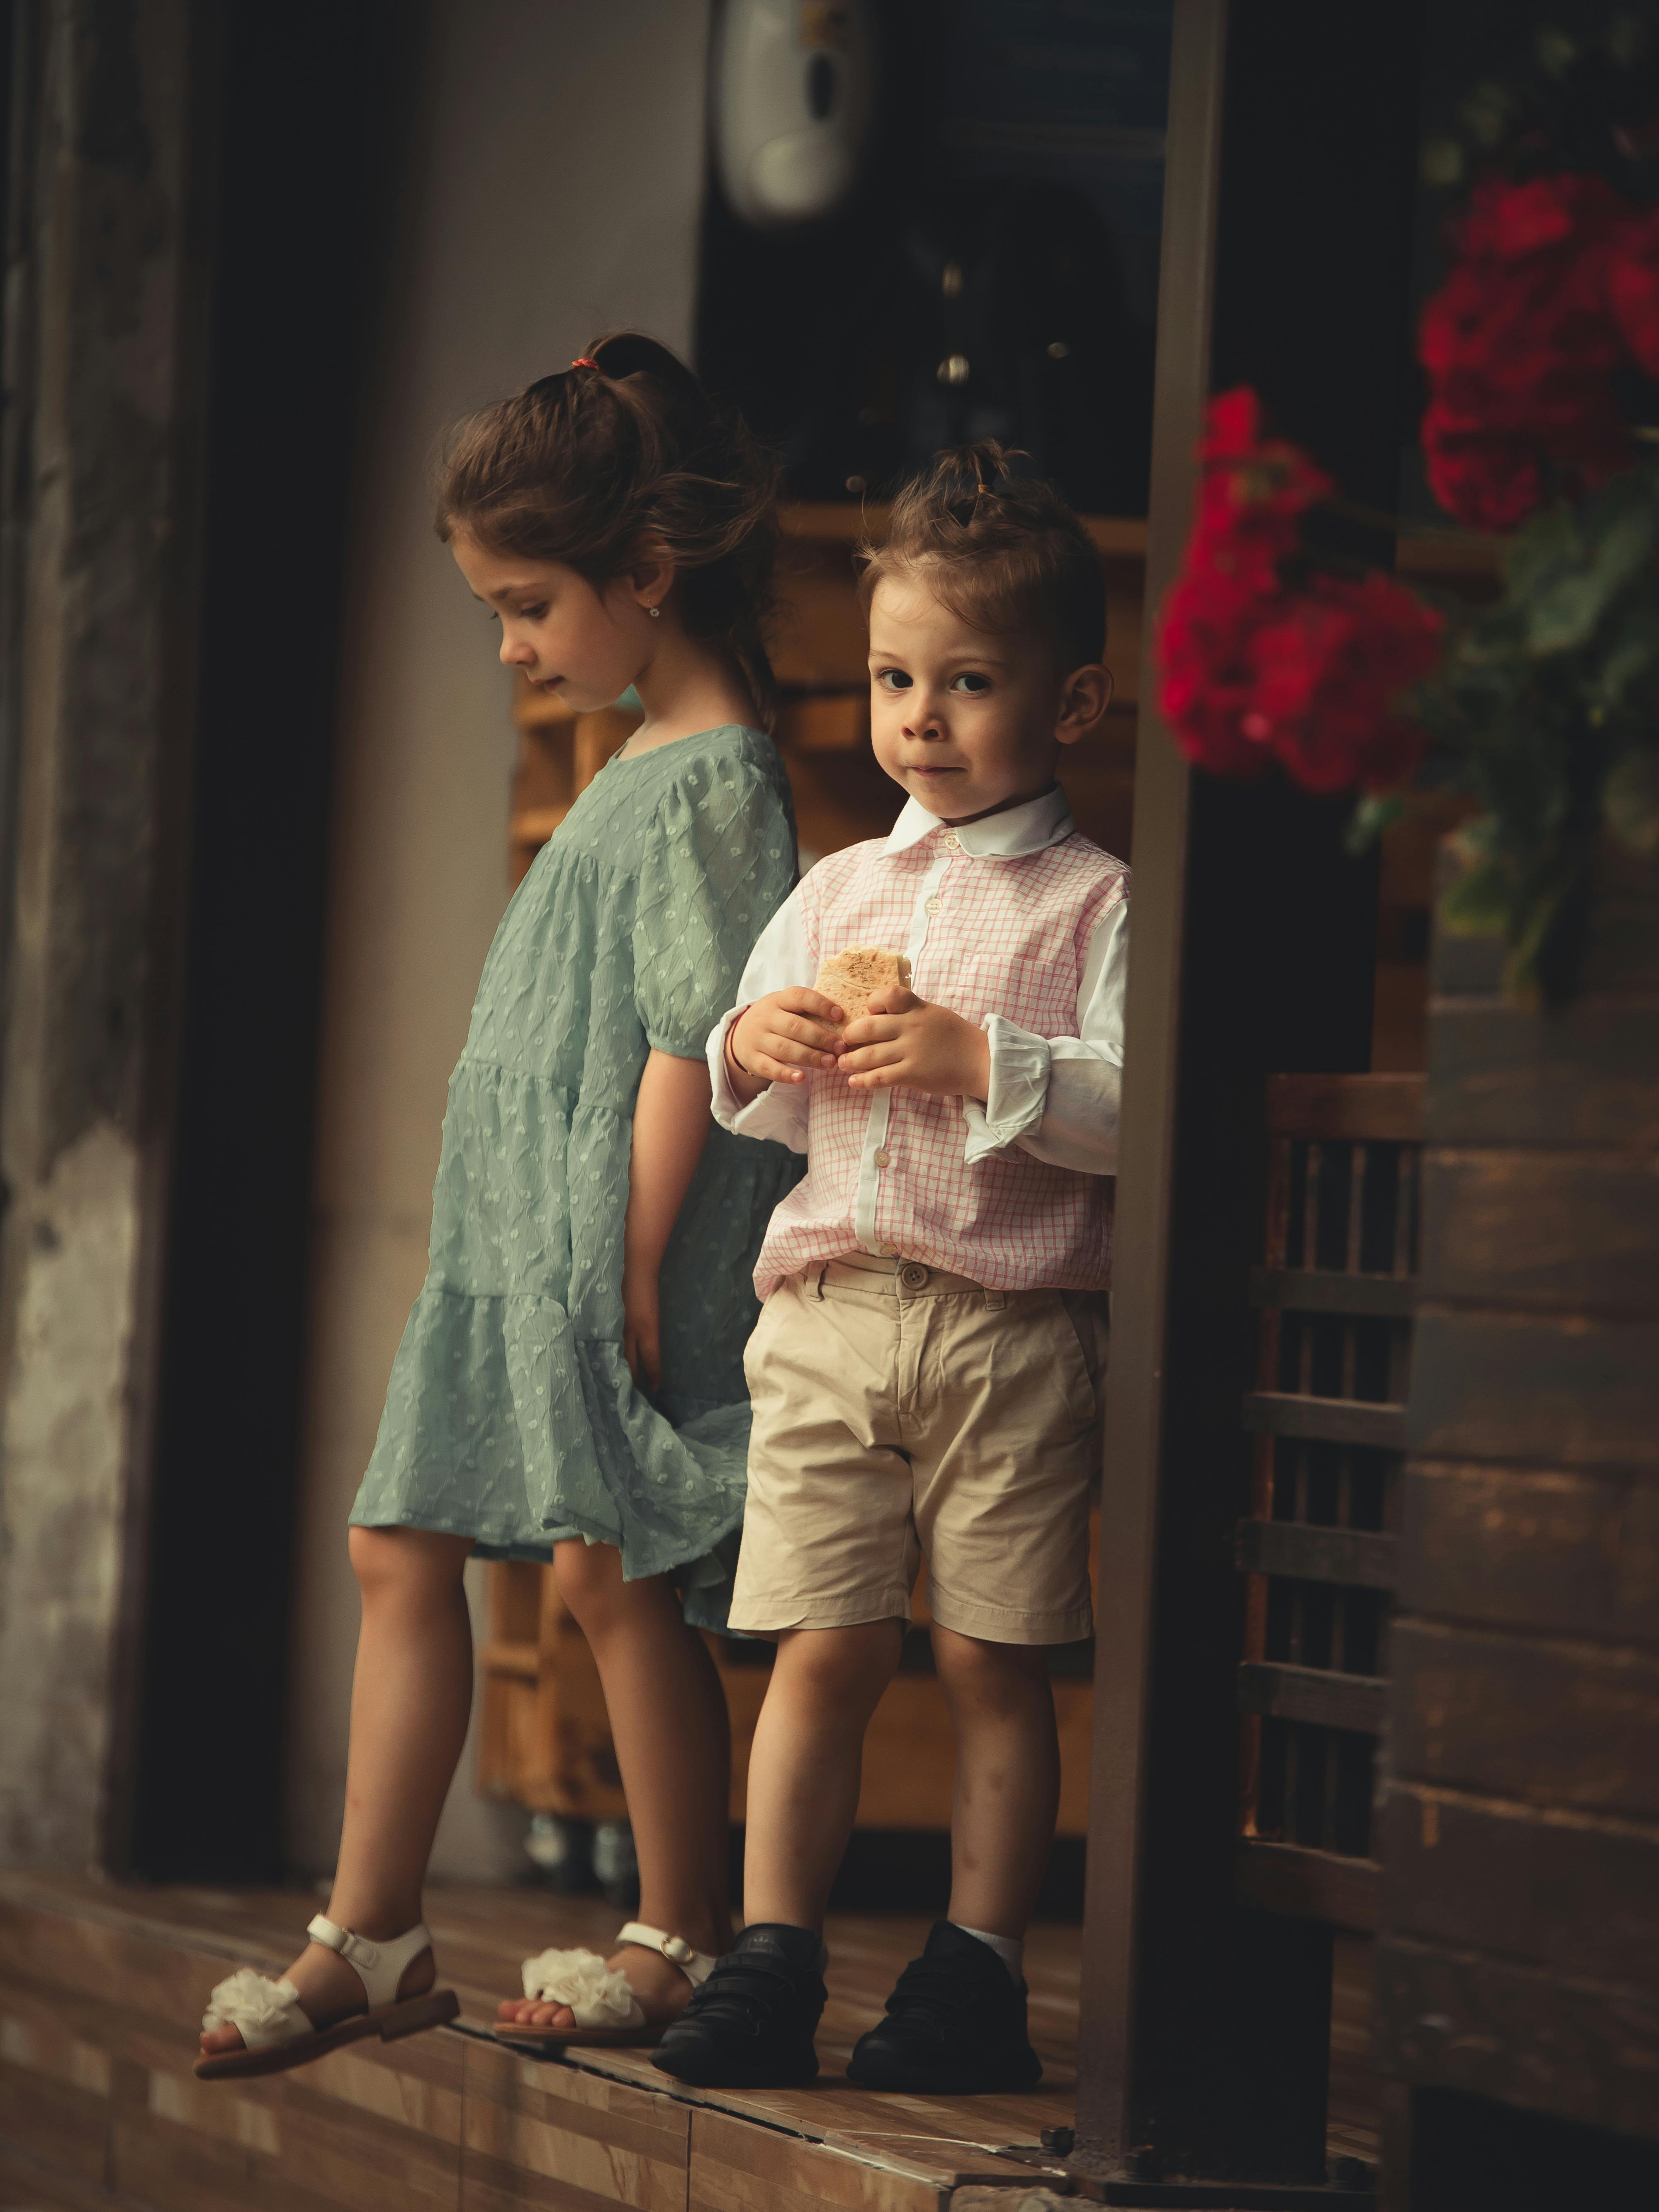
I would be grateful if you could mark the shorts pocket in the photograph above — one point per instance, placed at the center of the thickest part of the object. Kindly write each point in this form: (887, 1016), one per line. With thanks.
(763, 1326)
(1083, 1327)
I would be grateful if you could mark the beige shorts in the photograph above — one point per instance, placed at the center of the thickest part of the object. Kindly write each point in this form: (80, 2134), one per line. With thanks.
(902, 1413)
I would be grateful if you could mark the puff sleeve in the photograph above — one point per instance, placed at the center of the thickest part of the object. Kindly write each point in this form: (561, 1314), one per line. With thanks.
(718, 860)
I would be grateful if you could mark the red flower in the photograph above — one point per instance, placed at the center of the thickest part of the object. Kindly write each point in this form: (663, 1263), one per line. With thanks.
(1329, 669)
(1203, 647)
(1254, 490)
(1490, 480)
(1522, 343)
(1254, 672)
(1634, 288)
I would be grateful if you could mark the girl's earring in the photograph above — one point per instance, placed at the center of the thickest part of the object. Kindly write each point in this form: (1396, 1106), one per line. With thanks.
(655, 613)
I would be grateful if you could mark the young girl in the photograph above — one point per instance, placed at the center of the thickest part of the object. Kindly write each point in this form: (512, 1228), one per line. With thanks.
(570, 1383)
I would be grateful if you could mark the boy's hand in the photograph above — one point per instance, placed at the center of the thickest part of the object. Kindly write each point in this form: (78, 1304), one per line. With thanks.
(904, 1040)
(780, 1035)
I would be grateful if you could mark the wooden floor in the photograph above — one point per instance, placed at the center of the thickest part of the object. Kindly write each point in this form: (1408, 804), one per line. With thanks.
(102, 1991)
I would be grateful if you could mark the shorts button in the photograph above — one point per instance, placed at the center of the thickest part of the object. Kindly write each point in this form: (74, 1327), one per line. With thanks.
(882, 1157)
(934, 904)
(913, 1274)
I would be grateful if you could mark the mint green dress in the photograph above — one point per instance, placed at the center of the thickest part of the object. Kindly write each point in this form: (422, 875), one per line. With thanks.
(511, 1416)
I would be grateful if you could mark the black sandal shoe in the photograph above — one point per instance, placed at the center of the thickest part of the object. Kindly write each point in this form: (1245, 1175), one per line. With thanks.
(955, 2026)
(750, 2024)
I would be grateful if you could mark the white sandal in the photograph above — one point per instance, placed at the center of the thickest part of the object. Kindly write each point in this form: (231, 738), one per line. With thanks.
(602, 1999)
(276, 2034)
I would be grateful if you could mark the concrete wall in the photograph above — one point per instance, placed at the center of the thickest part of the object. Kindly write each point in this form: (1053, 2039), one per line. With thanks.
(103, 352)
(554, 191)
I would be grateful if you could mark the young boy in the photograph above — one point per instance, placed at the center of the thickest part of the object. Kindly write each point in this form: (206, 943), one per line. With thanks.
(926, 1370)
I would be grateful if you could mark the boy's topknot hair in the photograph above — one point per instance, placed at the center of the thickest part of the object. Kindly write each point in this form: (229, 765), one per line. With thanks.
(1002, 551)
(623, 446)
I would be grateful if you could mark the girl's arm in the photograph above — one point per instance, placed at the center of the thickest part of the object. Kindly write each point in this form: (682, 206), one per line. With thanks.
(671, 1122)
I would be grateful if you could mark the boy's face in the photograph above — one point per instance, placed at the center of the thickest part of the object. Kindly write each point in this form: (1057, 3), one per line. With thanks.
(968, 721)
(583, 644)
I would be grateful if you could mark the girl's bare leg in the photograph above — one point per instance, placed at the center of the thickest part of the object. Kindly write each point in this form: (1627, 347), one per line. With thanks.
(1007, 1792)
(805, 1768)
(668, 1722)
(412, 1696)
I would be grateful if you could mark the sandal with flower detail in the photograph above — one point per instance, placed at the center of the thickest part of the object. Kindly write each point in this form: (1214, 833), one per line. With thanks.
(602, 2000)
(276, 2034)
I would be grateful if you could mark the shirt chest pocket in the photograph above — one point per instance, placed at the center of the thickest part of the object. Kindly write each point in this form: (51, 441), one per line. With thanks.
(1040, 995)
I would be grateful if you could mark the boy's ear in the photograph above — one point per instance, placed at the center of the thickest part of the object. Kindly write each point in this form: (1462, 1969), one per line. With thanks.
(1084, 698)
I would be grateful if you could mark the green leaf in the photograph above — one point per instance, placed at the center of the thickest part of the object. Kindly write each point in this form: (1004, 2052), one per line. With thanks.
(1629, 800)
(1550, 541)
(1442, 162)
(1567, 606)
(1486, 112)
(1630, 657)
(1376, 811)
(1538, 920)
(1627, 39)
(1478, 903)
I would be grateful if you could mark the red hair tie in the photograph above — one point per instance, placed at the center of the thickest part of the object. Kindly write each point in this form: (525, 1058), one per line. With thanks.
(582, 361)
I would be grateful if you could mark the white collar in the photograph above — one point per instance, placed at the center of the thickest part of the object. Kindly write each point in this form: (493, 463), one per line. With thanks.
(1040, 822)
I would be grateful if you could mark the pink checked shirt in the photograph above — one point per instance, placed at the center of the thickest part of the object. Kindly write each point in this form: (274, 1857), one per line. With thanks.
(1020, 924)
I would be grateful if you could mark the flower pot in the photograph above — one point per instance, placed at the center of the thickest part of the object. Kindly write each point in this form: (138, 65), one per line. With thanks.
(1519, 1819)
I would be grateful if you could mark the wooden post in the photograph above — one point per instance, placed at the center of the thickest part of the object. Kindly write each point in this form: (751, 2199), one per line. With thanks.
(1205, 2023)
(1110, 2118)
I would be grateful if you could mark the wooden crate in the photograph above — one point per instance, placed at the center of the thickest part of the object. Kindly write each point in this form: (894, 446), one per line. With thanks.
(1518, 1964)
(546, 1741)
(1320, 1543)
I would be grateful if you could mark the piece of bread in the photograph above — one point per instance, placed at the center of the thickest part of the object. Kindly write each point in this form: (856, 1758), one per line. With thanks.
(850, 977)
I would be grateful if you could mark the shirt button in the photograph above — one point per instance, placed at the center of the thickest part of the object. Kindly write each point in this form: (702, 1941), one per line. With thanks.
(882, 1157)
(934, 904)
(953, 841)
(889, 1250)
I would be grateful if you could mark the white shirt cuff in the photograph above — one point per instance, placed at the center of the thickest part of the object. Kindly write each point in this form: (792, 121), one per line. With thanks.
(779, 1112)
(1018, 1090)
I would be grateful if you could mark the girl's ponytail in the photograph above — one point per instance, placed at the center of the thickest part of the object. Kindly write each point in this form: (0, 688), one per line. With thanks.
(625, 447)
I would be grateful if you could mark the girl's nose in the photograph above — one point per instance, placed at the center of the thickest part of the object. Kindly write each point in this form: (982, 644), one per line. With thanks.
(923, 722)
(516, 653)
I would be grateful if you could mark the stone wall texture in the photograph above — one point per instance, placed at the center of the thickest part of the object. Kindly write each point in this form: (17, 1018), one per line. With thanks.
(102, 349)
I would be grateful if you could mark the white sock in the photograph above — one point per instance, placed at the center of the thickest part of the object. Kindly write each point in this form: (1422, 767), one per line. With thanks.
(1011, 1953)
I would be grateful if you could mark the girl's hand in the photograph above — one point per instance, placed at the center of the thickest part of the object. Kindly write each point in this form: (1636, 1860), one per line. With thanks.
(642, 1326)
(904, 1040)
(780, 1035)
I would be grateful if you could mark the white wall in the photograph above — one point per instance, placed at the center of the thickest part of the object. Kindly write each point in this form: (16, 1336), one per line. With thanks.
(555, 191)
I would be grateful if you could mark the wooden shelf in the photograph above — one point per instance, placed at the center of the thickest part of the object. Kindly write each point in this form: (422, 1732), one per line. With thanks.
(1332, 1109)
(1445, 555)
(1448, 556)
(534, 825)
(836, 522)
